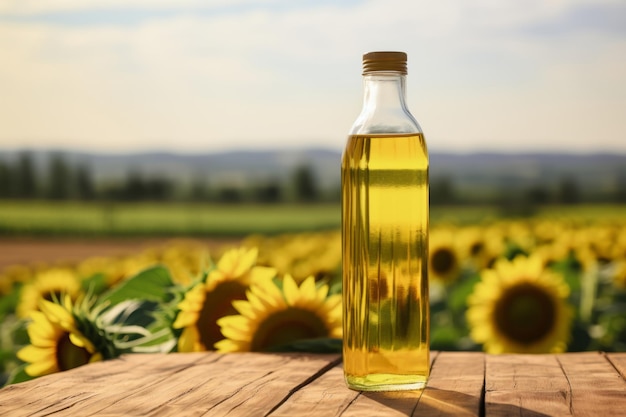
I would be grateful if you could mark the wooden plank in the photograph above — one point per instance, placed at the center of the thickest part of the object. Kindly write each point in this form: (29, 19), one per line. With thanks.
(525, 385)
(597, 386)
(64, 389)
(276, 385)
(327, 395)
(254, 384)
(172, 384)
(455, 386)
(618, 360)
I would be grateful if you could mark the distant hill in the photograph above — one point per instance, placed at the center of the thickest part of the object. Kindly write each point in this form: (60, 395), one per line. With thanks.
(593, 172)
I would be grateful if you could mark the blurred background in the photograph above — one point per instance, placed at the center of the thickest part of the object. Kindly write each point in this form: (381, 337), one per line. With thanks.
(221, 120)
(250, 101)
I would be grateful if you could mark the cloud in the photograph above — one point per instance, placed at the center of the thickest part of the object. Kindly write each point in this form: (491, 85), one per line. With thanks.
(32, 7)
(480, 73)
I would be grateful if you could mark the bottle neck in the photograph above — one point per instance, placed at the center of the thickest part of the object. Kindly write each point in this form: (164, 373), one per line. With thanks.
(384, 106)
(384, 90)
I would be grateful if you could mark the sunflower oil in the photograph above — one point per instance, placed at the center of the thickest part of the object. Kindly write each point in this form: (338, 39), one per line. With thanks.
(385, 238)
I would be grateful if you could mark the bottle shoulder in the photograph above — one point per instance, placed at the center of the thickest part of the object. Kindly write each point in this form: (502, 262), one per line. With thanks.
(385, 121)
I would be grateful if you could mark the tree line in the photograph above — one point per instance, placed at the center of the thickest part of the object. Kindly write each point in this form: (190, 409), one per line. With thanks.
(65, 180)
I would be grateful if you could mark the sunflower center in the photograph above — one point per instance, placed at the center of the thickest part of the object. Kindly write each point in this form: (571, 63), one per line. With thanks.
(69, 355)
(525, 313)
(443, 260)
(476, 248)
(217, 304)
(287, 326)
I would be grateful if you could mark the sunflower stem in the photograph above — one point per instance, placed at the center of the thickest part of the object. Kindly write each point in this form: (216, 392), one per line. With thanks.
(588, 293)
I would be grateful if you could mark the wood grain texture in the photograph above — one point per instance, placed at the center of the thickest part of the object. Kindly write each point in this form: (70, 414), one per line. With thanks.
(455, 387)
(596, 387)
(532, 384)
(254, 384)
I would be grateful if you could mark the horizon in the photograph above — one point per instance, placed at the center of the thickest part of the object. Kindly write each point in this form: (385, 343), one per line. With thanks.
(310, 148)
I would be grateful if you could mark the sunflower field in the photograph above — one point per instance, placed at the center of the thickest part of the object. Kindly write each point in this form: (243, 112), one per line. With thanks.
(533, 285)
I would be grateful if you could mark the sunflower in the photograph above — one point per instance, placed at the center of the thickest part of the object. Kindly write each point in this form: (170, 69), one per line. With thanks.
(56, 343)
(48, 284)
(15, 274)
(520, 307)
(546, 231)
(185, 259)
(444, 263)
(212, 298)
(271, 317)
(520, 236)
(300, 254)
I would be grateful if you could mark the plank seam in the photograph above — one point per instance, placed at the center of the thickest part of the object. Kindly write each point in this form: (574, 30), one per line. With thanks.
(608, 358)
(571, 393)
(306, 382)
(482, 408)
(432, 365)
(350, 403)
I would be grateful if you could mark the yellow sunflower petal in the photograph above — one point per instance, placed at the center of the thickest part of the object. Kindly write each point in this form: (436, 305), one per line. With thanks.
(322, 292)
(41, 368)
(33, 354)
(261, 273)
(185, 318)
(189, 340)
(244, 308)
(291, 291)
(236, 262)
(333, 302)
(233, 330)
(268, 295)
(57, 314)
(308, 286)
(40, 326)
(226, 346)
(81, 341)
(97, 357)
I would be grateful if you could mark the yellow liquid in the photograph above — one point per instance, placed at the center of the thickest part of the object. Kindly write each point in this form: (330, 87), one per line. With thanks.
(385, 255)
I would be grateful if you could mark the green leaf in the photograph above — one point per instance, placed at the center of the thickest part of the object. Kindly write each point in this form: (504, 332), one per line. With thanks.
(445, 338)
(457, 297)
(570, 272)
(130, 313)
(9, 302)
(152, 284)
(335, 285)
(95, 284)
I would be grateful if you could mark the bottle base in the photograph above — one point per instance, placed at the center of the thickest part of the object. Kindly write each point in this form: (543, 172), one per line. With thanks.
(386, 382)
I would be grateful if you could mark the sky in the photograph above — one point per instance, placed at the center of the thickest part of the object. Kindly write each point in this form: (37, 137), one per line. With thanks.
(194, 76)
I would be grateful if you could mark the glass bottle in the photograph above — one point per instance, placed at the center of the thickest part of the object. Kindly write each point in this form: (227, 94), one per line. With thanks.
(384, 206)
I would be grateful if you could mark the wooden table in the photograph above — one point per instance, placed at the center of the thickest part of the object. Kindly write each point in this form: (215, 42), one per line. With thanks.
(252, 384)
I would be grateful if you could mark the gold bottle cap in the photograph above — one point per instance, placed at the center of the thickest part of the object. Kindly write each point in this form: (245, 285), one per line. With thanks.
(384, 61)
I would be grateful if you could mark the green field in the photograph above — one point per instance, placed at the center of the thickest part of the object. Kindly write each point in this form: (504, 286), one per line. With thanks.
(44, 218)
